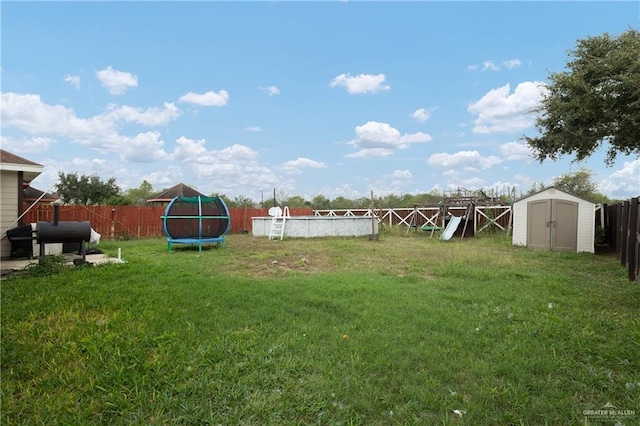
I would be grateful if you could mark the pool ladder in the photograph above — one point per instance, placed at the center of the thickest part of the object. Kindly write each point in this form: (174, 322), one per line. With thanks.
(277, 224)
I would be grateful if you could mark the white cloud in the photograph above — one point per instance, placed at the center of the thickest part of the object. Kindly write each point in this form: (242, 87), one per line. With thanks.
(489, 66)
(117, 82)
(143, 148)
(36, 144)
(194, 151)
(499, 187)
(473, 183)
(370, 153)
(237, 152)
(342, 190)
(206, 99)
(623, 183)
(456, 181)
(512, 63)
(148, 117)
(230, 169)
(516, 151)
(501, 111)
(74, 80)
(296, 166)
(165, 178)
(421, 114)
(362, 83)
(88, 163)
(253, 129)
(106, 169)
(401, 174)
(235, 174)
(28, 113)
(271, 90)
(380, 139)
(470, 159)
(190, 150)
(126, 175)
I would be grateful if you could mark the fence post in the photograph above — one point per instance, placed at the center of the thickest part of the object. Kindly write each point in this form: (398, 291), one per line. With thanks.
(113, 222)
(624, 233)
(609, 224)
(632, 238)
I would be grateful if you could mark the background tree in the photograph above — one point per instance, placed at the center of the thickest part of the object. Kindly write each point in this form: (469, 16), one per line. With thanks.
(87, 190)
(362, 203)
(242, 201)
(137, 196)
(297, 201)
(227, 201)
(425, 199)
(393, 200)
(578, 183)
(341, 203)
(320, 202)
(596, 100)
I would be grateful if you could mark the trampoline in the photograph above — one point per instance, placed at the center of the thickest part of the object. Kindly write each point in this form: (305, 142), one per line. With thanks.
(196, 221)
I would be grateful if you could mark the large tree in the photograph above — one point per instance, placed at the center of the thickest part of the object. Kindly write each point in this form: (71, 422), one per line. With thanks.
(85, 189)
(595, 102)
(579, 183)
(136, 196)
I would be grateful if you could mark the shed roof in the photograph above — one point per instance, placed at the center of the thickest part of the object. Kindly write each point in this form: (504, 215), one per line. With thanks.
(15, 163)
(179, 190)
(557, 189)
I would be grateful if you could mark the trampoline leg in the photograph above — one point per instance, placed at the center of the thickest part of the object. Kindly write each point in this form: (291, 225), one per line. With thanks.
(169, 245)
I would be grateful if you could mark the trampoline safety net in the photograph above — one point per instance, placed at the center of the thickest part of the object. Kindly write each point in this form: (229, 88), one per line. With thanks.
(196, 218)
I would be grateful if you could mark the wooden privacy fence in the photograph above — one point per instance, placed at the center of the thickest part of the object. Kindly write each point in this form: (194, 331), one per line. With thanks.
(116, 222)
(622, 222)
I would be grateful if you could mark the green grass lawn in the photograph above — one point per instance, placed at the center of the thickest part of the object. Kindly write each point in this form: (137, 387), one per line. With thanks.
(404, 330)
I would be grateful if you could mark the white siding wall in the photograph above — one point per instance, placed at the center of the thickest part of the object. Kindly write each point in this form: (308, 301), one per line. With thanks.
(8, 207)
(586, 218)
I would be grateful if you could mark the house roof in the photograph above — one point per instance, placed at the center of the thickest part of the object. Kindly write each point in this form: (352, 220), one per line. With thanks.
(179, 190)
(14, 163)
(31, 194)
(555, 188)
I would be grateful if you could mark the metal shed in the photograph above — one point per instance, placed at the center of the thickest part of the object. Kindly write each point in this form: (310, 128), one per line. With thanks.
(553, 219)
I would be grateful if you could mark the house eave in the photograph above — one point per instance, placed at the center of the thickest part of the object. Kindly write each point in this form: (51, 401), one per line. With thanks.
(30, 172)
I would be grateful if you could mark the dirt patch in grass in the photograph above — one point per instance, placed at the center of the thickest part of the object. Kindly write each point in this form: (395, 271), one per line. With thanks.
(261, 257)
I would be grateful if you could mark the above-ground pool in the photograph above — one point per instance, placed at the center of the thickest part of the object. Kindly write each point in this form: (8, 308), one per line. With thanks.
(318, 226)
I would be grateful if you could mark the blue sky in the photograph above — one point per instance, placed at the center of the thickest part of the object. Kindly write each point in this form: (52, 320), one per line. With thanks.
(332, 98)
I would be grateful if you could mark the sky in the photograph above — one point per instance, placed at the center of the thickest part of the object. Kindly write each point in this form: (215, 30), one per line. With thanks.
(307, 98)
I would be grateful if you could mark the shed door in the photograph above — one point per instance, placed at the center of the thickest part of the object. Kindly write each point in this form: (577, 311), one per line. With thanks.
(564, 229)
(538, 232)
(552, 224)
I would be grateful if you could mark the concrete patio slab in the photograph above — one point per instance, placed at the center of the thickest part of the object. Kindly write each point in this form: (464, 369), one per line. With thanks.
(8, 266)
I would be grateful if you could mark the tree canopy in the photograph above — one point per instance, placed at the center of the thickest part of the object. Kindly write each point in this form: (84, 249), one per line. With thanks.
(135, 196)
(596, 101)
(85, 189)
(578, 183)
